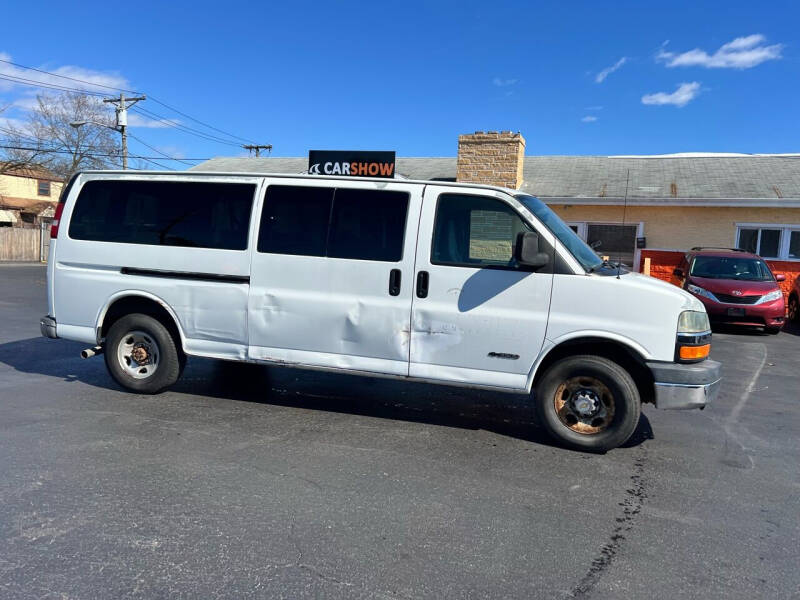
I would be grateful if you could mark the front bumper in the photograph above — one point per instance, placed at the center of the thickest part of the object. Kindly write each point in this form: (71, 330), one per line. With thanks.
(682, 386)
(47, 325)
(769, 314)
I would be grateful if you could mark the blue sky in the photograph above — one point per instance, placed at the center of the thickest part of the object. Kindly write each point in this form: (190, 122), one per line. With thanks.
(690, 76)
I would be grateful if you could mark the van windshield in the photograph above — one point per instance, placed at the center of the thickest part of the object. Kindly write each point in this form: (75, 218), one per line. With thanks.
(579, 249)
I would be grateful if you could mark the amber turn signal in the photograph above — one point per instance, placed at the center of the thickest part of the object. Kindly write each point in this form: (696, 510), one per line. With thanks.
(694, 352)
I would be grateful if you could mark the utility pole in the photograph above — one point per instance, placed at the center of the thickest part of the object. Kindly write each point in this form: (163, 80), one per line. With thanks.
(258, 148)
(122, 104)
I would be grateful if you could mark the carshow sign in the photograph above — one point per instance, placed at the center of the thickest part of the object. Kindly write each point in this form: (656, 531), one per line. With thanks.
(352, 163)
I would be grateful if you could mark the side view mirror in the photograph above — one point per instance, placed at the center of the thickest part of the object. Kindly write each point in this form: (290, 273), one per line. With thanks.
(677, 272)
(780, 277)
(526, 250)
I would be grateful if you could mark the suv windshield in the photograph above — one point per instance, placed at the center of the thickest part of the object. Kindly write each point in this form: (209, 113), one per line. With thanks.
(579, 249)
(731, 267)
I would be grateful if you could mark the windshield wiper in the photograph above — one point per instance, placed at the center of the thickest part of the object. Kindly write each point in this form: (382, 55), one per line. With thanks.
(604, 265)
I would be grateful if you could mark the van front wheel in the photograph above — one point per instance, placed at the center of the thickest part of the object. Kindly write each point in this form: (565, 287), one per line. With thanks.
(141, 355)
(588, 402)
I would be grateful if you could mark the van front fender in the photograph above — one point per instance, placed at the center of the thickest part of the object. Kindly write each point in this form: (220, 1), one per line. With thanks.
(590, 341)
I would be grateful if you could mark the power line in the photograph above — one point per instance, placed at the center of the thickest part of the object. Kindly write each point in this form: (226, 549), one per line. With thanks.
(170, 123)
(206, 136)
(197, 120)
(26, 138)
(108, 87)
(52, 86)
(141, 141)
(164, 104)
(94, 154)
(159, 164)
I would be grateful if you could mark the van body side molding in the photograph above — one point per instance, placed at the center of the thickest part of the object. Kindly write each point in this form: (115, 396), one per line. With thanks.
(185, 275)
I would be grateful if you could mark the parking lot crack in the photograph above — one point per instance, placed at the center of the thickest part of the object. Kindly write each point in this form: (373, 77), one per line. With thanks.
(632, 504)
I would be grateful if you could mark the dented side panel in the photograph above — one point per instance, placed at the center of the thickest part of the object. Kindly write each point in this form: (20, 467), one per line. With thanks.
(477, 326)
(333, 312)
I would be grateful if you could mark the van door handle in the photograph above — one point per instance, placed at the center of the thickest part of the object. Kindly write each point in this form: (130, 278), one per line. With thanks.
(422, 284)
(395, 277)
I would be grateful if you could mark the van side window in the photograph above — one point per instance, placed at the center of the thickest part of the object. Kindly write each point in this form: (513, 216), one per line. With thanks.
(295, 220)
(475, 231)
(368, 225)
(164, 213)
(337, 223)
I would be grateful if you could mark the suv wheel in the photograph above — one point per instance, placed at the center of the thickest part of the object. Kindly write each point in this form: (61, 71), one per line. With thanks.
(588, 402)
(794, 308)
(141, 355)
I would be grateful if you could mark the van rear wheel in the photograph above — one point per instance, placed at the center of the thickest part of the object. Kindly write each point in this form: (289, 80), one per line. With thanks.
(588, 402)
(141, 354)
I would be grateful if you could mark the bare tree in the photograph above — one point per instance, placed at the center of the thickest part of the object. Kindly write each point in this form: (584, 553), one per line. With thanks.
(47, 138)
(11, 158)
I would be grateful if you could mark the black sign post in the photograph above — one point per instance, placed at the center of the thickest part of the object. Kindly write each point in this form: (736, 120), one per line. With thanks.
(352, 163)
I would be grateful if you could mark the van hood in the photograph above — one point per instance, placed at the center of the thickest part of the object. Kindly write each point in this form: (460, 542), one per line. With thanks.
(731, 286)
(645, 282)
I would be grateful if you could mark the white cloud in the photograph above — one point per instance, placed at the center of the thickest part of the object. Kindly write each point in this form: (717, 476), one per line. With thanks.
(503, 82)
(741, 53)
(685, 93)
(601, 76)
(589, 119)
(92, 77)
(137, 120)
(593, 108)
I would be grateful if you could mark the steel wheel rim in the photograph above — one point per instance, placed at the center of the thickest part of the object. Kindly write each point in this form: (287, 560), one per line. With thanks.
(138, 354)
(584, 405)
(793, 309)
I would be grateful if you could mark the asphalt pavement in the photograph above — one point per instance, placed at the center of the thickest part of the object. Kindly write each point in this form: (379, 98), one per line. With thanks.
(264, 482)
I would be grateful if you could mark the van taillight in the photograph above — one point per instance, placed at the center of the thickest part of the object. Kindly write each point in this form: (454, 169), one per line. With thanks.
(56, 221)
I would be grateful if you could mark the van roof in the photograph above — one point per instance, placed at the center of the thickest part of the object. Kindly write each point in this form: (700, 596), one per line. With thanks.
(191, 174)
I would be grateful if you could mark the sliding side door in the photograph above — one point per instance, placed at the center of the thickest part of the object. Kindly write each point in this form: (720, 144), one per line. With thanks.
(331, 277)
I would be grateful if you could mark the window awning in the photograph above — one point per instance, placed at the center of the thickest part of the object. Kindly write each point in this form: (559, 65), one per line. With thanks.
(7, 216)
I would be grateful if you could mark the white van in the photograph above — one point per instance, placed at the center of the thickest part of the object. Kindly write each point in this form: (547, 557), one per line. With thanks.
(431, 281)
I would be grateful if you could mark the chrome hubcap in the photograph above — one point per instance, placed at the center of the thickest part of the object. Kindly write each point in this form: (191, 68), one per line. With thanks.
(138, 354)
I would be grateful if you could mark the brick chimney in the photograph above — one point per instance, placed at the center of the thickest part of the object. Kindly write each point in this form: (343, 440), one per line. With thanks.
(491, 157)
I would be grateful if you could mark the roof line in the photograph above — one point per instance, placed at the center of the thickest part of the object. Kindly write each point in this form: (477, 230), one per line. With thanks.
(770, 202)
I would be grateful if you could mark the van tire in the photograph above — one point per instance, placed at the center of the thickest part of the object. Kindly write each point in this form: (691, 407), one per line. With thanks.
(602, 389)
(152, 338)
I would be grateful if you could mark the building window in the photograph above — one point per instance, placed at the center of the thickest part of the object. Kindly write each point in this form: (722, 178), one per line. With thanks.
(44, 188)
(770, 241)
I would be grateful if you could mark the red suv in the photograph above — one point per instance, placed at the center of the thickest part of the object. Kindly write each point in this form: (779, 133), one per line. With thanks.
(735, 286)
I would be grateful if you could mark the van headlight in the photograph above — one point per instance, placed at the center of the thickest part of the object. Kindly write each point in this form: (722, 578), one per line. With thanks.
(696, 289)
(693, 342)
(773, 295)
(693, 321)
